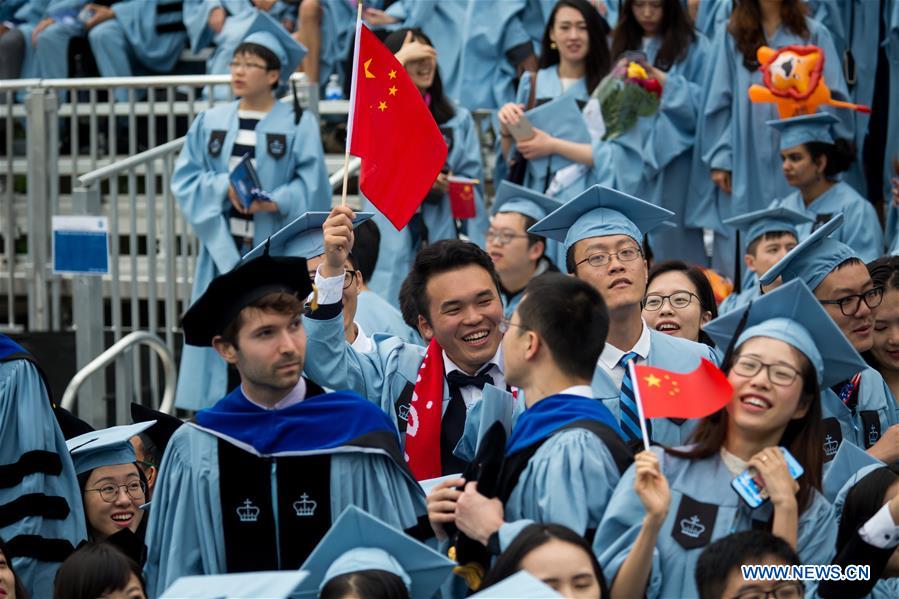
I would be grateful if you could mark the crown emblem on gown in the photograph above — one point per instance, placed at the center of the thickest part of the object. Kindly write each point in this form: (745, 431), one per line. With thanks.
(403, 412)
(248, 512)
(692, 527)
(873, 435)
(304, 507)
(830, 446)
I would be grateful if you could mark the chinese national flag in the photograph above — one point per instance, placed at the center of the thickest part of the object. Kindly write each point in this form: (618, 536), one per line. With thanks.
(391, 129)
(694, 394)
(461, 193)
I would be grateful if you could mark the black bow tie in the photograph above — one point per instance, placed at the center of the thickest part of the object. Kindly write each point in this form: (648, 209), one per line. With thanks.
(460, 379)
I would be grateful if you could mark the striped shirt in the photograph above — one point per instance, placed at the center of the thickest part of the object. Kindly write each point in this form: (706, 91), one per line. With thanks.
(245, 143)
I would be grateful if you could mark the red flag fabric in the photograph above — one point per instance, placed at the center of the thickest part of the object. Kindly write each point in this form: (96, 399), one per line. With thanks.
(461, 193)
(425, 416)
(391, 129)
(694, 394)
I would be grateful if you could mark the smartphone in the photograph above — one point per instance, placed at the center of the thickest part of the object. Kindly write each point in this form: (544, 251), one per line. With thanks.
(522, 130)
(637, 56)
(750, 489)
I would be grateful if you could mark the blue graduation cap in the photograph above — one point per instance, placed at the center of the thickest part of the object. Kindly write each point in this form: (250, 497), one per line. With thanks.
(803, 129)
(560, 118)
(270, 34)
(105, 447)
(813, 259)
(300, 237)
(849, 459)
(359, 541)
(599, 211)
(522, 585)
(769, 220)
(245, 585)
(793, 315)
(516, 198)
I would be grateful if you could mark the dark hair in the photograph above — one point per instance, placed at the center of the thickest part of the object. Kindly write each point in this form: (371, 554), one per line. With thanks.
(700, 282)
(151, 450)
(769, 236)
(560, 309)
(839, 154)
(441, 108)
(82, 483)
(675, 31)
(884, 273)
(268, 57)
(863, 501)
(440, 257)
(366, 248)
(532, 537)
(745, 26)
(21, 593)
(598, 61)
(94, 569)
(279, 302)
(802, 437)
(371, 584)
(719, 559)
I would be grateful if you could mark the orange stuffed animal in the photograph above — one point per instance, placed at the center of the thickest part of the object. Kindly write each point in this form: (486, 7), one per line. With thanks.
(794, 80)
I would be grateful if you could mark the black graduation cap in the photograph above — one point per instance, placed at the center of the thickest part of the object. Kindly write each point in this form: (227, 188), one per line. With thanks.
(162, 431)
(233, 291)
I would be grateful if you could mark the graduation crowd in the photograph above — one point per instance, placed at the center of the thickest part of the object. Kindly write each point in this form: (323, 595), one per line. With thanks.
(449, 410)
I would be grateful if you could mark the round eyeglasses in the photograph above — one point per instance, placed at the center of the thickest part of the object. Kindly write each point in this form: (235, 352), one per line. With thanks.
(678, 300)
(109, 493)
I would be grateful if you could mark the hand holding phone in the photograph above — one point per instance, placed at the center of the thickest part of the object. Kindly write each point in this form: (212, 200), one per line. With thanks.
(750, 486)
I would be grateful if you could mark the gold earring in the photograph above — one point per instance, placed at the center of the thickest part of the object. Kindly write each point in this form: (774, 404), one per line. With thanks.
(553, 45)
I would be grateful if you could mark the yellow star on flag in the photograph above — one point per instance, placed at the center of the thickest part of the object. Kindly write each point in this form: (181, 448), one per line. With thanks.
(382, 106)
(392, 90)
(653, 381)
(365, 65)
(392, 74)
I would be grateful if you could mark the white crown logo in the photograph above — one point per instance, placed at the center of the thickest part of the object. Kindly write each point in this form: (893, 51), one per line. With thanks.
(692, 527)
(830, 446)
(403, 412)
(873, 435)
(249, 512)
(304, 507)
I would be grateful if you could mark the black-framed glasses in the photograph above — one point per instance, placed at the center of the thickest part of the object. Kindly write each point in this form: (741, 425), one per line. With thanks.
(505, 323)
(502, 236)
(109, 493)
(678, 300)
(779, 374)
(850, 304)
(628, 254)
(784, 590)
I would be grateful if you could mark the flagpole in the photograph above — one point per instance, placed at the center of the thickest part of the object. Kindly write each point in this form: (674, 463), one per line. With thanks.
(350, 115)
(633, 372)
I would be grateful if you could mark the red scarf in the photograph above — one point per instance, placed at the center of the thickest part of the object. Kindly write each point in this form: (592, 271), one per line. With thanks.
(425, 416)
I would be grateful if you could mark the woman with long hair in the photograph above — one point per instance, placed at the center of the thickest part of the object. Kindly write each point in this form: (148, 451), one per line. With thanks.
(884, 354)
(784, 350)
(96, 571)
(679, 301)
(740, 154)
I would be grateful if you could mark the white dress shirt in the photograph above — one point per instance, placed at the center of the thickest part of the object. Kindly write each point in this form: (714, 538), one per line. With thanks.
(610, 356)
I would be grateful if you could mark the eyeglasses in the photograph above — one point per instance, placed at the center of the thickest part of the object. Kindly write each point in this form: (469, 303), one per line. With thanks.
(505, 323)
(502, 237)
(110, 493)
(235, 65)
(602, 258)
(779, 374)
(678, 300)
(850, 304)
(348, 277)
(785, 590)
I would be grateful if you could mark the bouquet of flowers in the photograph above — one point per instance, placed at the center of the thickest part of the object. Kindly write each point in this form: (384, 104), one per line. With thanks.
(625, 94)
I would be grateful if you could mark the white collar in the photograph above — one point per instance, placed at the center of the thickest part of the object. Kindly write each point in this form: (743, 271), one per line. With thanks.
(582, 390)
(296, 395)
(496, 362)
(611, 355)
(363, 343)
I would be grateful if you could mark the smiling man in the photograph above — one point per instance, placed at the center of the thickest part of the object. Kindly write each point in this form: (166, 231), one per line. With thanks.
(602, 230)
(862, 408)
(458, 308)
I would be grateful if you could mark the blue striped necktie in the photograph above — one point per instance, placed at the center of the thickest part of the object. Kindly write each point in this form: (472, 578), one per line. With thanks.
(627, 403)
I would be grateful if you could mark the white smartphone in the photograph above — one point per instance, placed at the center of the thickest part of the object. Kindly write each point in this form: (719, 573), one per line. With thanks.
(522, 130)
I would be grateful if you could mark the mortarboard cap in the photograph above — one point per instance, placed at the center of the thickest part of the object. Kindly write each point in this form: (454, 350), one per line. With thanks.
(231, 292)
(793, 315)
(245, 585)
(803, 129)
(105, 447)
(849, 459)
(359, 541)
(769, 220)
(600, 211)
(162, 431)
(269, 33)
(813, 259)
(300, 237)
(522, 585)
(560, 118)
(515, 198)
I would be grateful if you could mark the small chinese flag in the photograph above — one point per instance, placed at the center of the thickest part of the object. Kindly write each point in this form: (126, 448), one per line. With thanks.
(694, 394)
(461, 193)
(391, 129)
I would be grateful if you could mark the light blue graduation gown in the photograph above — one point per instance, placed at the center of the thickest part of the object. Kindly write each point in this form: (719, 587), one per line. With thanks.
(338, 26)
(376, 315)
(891, 45)
(704, 481)
(184, 534)
(671, 353)
(874, 396)
(28, 424)
(713, 16)
(298, 182)
(734, 137)
(739, 299)
(861, 228)
(396, 251)
(46, 59)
